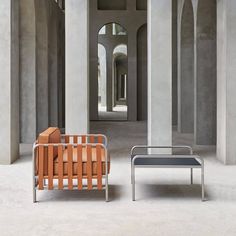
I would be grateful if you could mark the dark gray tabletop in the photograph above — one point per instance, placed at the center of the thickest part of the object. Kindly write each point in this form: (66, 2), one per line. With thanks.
(167, 161)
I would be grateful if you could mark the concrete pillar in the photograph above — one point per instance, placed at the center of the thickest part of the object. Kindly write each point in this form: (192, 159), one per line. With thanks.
(103, 73)
(205, 84)
(174, 63)
(109, 77)
(77, 106)
(9, 96)
(53, 63)
(42, 64)
(142, 72)
(27, 71)
(226, 83)
(159, 72)
(186, 79)
(132, 75)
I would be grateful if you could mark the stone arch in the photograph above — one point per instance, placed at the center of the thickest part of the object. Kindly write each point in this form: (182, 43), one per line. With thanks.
(186, 82)
(142, 72)
(205, 84)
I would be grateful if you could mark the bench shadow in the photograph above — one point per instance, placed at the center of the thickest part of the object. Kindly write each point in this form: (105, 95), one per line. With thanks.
(169, 192)
(79, 196)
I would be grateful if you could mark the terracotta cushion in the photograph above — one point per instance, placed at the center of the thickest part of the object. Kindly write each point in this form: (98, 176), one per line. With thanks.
(50, 135)
(84, 160)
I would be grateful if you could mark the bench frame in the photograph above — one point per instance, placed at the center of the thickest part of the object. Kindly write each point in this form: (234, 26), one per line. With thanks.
(74, 144)
(190, 155)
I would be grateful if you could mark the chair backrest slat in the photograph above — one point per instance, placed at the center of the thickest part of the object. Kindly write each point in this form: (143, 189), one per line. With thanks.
(89, 167)
(79, 167)
(50, 166)
(99, 166)
(70, 167)
(60, 167)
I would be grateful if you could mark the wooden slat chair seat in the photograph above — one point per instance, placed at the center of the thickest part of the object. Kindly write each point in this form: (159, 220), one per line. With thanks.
(70, 157)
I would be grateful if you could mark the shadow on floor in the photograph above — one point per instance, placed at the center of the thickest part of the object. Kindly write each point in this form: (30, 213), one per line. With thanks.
(168, 192)
(80, 196)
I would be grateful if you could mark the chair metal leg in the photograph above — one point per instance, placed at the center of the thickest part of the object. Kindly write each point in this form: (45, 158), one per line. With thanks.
(133, 181)
(107, 190)
(34, 195)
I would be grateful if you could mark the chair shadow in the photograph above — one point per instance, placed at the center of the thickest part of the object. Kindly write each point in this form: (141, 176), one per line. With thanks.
(79, 196)
(169, 192)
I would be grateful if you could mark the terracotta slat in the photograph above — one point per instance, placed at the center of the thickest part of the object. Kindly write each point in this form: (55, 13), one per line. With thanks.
(60, 167)
(70, 167)
(89, 167)
(91, 139)
(100, 139)
(41, 166)
(79, 167)
(67, 139)
(75, 139)
(99, 166)
(83, 139)
(50, 167)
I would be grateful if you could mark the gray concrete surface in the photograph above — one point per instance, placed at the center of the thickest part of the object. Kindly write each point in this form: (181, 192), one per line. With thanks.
(77, 73)
(159, 72)
(9, 96)
(205, 85)
(226, 112)
(166, 203)
(186, 80)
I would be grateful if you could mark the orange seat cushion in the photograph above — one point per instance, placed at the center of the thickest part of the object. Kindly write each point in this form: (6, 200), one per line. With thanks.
(84, 162)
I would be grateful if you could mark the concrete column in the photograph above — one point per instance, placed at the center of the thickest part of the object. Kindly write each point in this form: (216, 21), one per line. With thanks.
(103, 75)
(205, 84)
(109, 77)
(9, 96)
(77, 106)
(159, 72)
(53, 63)
(27, 71)
(132, 75)
(186, 80)
(142, 72)
(42, 64)
(226, 83)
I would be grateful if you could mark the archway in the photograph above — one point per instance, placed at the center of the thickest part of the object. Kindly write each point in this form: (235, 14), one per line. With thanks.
(113, 38)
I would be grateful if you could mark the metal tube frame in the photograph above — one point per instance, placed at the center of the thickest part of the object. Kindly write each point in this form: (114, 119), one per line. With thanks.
(36, 145)
(137, 156)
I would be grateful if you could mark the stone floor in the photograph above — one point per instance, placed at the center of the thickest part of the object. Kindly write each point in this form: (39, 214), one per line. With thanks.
(166, 203)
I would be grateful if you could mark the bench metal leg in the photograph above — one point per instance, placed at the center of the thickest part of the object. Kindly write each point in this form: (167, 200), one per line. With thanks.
(202, 182)
(133, 181)
(191, 175)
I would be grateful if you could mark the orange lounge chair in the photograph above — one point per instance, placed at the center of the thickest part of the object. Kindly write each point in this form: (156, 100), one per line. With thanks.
(70, 162)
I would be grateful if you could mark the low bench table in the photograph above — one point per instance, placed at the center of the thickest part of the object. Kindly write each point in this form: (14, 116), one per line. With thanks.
(190, 161)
